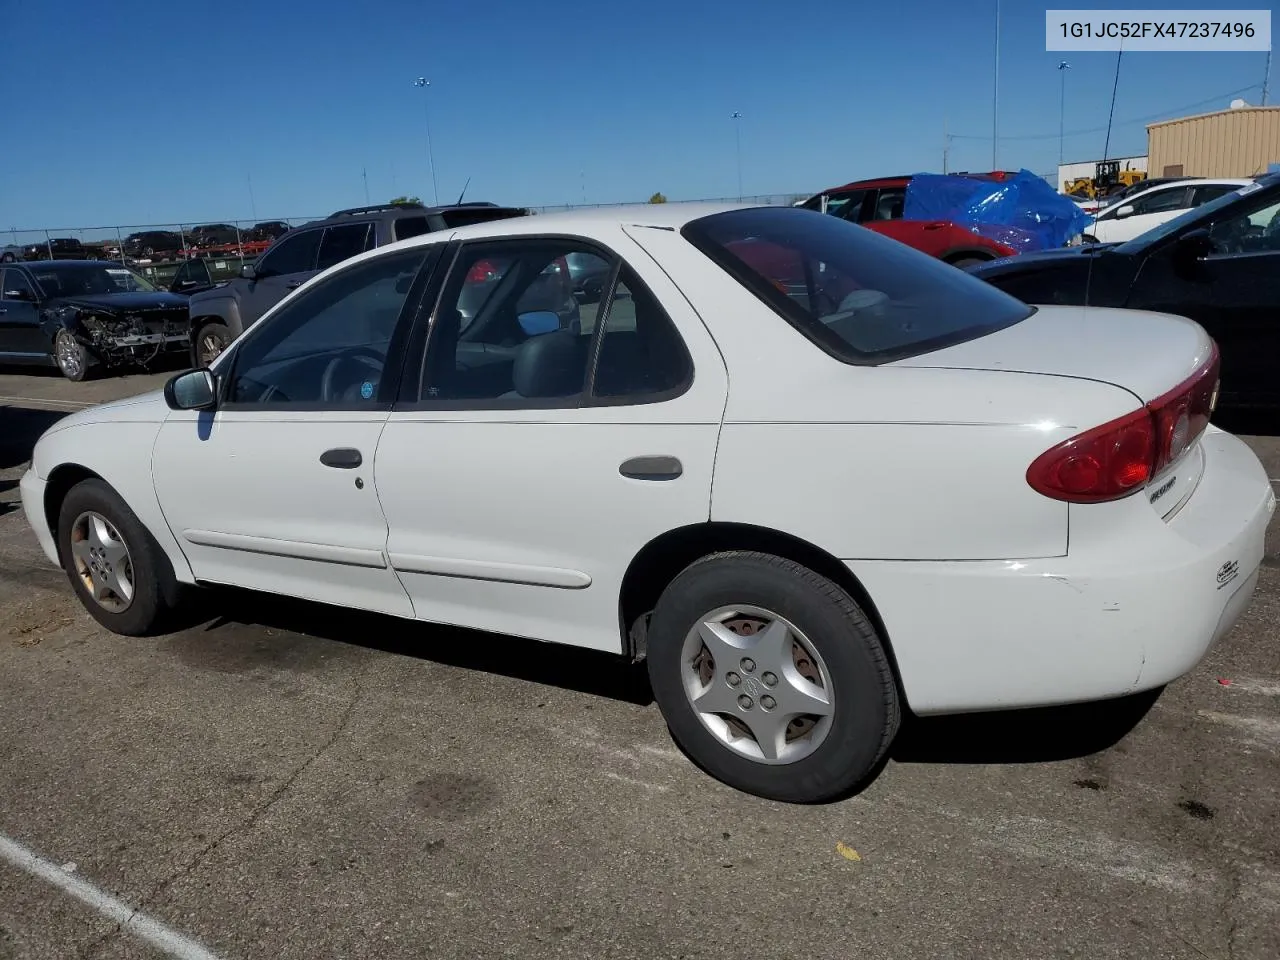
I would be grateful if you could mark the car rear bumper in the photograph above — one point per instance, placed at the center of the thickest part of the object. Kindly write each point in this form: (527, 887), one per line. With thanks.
(1109, 619)
(32, 489)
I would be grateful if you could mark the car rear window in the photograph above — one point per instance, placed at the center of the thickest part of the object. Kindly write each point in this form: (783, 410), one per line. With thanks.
(862, 297)
(464, 216)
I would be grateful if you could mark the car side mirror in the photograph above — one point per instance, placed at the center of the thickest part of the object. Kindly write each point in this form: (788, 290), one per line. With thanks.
(537, 322)
(192, 390)
(1125, 211)
(1193, 246)
(248, 271)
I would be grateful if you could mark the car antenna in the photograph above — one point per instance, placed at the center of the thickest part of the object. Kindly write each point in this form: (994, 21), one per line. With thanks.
(464, 192)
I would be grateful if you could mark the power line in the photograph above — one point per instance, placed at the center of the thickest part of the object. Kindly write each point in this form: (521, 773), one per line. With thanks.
(1124, 123)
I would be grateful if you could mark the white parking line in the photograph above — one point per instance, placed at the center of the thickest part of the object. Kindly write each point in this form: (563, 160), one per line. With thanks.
(139, 924)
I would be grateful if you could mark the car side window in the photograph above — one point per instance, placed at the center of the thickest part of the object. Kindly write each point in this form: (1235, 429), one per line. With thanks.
(846, 204)
(1254, 230)
(294, 254)
(1162, 201)
(342, 243)
(889, 204)
(410, 227)
(16, 286)
(1209, 192)
(641, 353)
(508, 330)
(327, 348)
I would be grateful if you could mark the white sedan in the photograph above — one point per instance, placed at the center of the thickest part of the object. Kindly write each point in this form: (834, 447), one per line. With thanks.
(1139, 212)
(814, 476)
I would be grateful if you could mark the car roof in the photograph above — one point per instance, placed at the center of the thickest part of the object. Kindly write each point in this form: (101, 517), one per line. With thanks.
(662, 216)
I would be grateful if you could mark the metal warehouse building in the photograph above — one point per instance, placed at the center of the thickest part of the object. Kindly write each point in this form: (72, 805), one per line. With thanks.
(1240, 142)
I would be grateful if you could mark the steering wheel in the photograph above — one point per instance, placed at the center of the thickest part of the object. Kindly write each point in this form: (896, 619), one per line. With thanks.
(362, 360)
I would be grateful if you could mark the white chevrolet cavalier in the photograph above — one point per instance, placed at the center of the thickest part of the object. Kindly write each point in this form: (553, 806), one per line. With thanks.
(813, 476)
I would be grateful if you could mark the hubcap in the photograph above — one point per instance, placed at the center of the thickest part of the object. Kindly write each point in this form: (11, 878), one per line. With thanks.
(102, 561)
(69, 354)
(757, 684)
(210, 347)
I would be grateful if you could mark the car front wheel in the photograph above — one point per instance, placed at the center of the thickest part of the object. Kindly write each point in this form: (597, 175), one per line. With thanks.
(771, 677)
(71, 356)
(209, 341)
(115, 566)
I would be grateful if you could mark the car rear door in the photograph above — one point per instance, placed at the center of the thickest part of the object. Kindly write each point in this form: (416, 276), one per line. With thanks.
(529, 462)
(1149, 210)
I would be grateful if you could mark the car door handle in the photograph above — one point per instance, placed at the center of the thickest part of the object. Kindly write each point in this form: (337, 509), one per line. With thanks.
(3, 310)
(342, 458)
(651, 468)
(293, 285)
(934, 226)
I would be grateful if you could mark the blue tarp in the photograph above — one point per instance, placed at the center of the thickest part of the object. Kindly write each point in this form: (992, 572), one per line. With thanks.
(1022, 211)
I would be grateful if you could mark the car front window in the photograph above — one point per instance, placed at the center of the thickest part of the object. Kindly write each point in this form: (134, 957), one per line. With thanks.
(862, 297)
(90, 280)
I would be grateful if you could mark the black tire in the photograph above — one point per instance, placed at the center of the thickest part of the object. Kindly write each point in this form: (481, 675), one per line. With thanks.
(75, 364)
(962, 262)
(866, 712)
(207, 342)
(155, 592)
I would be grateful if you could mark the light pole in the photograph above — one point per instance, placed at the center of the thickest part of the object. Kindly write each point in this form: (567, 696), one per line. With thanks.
(1063, 67)
(995, 97)
(737, 134)
(426, 109)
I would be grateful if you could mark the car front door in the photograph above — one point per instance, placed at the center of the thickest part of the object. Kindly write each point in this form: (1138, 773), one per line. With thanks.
(273, 490)
(283, 268)
(21, 339)
(530, 459)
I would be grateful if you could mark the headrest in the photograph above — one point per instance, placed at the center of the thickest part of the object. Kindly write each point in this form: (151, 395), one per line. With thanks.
(550, 365)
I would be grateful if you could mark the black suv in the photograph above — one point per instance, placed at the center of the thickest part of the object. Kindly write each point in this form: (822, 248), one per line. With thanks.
(221, 314)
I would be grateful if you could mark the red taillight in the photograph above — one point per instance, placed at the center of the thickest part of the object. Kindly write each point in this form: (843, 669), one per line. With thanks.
(1117, 458)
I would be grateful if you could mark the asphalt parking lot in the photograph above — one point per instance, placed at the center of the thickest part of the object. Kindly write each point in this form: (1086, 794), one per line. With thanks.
(286, 781)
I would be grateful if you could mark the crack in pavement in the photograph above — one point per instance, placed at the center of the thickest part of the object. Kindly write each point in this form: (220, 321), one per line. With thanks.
(248, 823)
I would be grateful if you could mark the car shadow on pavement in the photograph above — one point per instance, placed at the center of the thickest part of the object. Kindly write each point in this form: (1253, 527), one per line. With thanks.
(572, 668)
(20, 428)
(1037, 735)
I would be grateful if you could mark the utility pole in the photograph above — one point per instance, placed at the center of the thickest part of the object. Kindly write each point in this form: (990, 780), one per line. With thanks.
(1266, 80)
(946, 144)
(1063, 67)
(995, 98)
(364, 175)
(736, 117)
(424, 83)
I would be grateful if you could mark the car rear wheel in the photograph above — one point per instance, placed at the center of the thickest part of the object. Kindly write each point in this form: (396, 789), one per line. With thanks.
(963, 262)
(114, 565)
(771, 677)
(210, 340)
(70, 355)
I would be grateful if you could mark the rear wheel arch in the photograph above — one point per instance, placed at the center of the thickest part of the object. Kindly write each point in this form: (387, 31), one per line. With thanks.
(662, 559)
(974, 254)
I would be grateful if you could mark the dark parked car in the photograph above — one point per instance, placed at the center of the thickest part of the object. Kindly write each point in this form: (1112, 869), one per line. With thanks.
(152, 243)
(213, 235)
(220, 315)
(56, 248)
(1218, 264)
(77, 315)
(270, 230)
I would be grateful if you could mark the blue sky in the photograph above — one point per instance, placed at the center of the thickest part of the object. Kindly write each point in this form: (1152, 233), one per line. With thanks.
(139, 112)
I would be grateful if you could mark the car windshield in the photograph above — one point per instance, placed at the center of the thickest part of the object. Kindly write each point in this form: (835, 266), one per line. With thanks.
(1206, 212)
(862, 297)
(86, 279)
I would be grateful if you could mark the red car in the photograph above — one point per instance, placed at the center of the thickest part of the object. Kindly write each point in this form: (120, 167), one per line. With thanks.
(878, 204)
